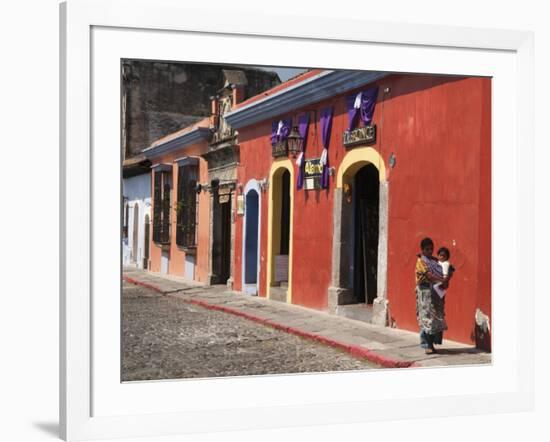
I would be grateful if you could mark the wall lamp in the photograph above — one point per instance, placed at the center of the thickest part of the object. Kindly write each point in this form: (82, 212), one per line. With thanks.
(295, 142)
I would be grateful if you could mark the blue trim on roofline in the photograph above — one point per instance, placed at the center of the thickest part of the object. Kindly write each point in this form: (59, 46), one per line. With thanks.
(317, 88)
(191, 137)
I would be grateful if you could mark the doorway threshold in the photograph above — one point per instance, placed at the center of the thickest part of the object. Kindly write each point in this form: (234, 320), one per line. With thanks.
(278, 293)
(359, 312)
(250, 289)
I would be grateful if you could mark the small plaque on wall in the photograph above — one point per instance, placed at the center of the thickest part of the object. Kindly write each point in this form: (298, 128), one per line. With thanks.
(240, 205)
(279, 149)
(313, 170)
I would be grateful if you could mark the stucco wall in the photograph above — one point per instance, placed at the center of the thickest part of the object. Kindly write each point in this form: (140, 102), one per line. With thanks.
(439, 130)
(137, 190)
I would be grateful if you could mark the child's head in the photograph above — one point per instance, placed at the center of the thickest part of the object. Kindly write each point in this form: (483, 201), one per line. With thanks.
(427, 247)
(443, 254)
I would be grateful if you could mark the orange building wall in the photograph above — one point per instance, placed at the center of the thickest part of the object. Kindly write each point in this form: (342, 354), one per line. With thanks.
(177, 254)
(439, 129)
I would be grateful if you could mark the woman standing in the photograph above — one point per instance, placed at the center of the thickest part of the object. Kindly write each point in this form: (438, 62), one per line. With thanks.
(430, 308)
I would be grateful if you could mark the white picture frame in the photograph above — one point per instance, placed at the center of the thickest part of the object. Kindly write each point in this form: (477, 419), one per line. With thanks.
(93, 407)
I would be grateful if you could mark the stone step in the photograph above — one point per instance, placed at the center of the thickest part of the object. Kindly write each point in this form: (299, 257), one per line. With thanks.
(278, 294)
(359, 312)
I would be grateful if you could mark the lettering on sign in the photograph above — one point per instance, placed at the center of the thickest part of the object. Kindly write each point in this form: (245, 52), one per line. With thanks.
(361, 135)
(224, 198)
(313, 170)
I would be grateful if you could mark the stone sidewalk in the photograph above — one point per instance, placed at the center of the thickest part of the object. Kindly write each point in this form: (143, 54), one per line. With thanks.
(381, 345)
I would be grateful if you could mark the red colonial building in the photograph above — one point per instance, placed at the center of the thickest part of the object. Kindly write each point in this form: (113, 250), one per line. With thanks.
(342, 173)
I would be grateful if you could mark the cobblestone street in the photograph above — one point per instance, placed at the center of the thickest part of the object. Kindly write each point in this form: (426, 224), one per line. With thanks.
(166, 338)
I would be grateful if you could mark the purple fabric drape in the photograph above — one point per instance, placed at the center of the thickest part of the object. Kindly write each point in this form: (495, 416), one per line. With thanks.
(274, 126)
(303, 124)
(326, 125)
(352, 111)
(365, 109)
(282, 134)
(368, 103)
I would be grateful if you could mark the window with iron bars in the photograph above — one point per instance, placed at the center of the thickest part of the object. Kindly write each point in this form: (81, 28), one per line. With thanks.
(161, 207)
(186, 209)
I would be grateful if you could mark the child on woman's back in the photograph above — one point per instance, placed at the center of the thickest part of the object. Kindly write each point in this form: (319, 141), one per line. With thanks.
(443, 256)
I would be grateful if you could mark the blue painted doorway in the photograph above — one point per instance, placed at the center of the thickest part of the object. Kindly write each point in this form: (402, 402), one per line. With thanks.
(251, 241)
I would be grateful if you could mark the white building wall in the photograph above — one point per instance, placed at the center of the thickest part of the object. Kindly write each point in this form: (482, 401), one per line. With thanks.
(137, 191)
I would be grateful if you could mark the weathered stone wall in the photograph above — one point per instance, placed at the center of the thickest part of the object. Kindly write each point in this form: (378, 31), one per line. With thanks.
(159, 98)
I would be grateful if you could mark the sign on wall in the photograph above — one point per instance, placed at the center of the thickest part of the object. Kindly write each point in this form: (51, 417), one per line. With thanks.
(313, 170)
(279, 149)
(240, 205)
(361, 135)
(224, 194)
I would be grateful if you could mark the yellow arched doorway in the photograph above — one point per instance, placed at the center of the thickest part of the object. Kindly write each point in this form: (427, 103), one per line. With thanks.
(280, 230)
(355, 160)
(359, 255)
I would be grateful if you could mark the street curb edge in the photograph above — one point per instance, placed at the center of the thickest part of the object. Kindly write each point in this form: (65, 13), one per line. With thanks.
(354, 350)
(143, 284)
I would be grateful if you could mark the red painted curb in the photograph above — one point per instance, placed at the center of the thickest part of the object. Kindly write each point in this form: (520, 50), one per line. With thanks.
(143, 284)
(354, 350)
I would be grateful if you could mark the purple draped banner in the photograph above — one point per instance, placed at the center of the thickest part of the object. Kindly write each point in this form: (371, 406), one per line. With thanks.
(326, 125)
(303, 124)
(361, 104)
(280, 129)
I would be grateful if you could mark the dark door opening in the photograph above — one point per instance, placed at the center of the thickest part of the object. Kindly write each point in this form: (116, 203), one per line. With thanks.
(285, 214)
(280, 236)
(221, 246)
(251, 238)
(366, 202)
